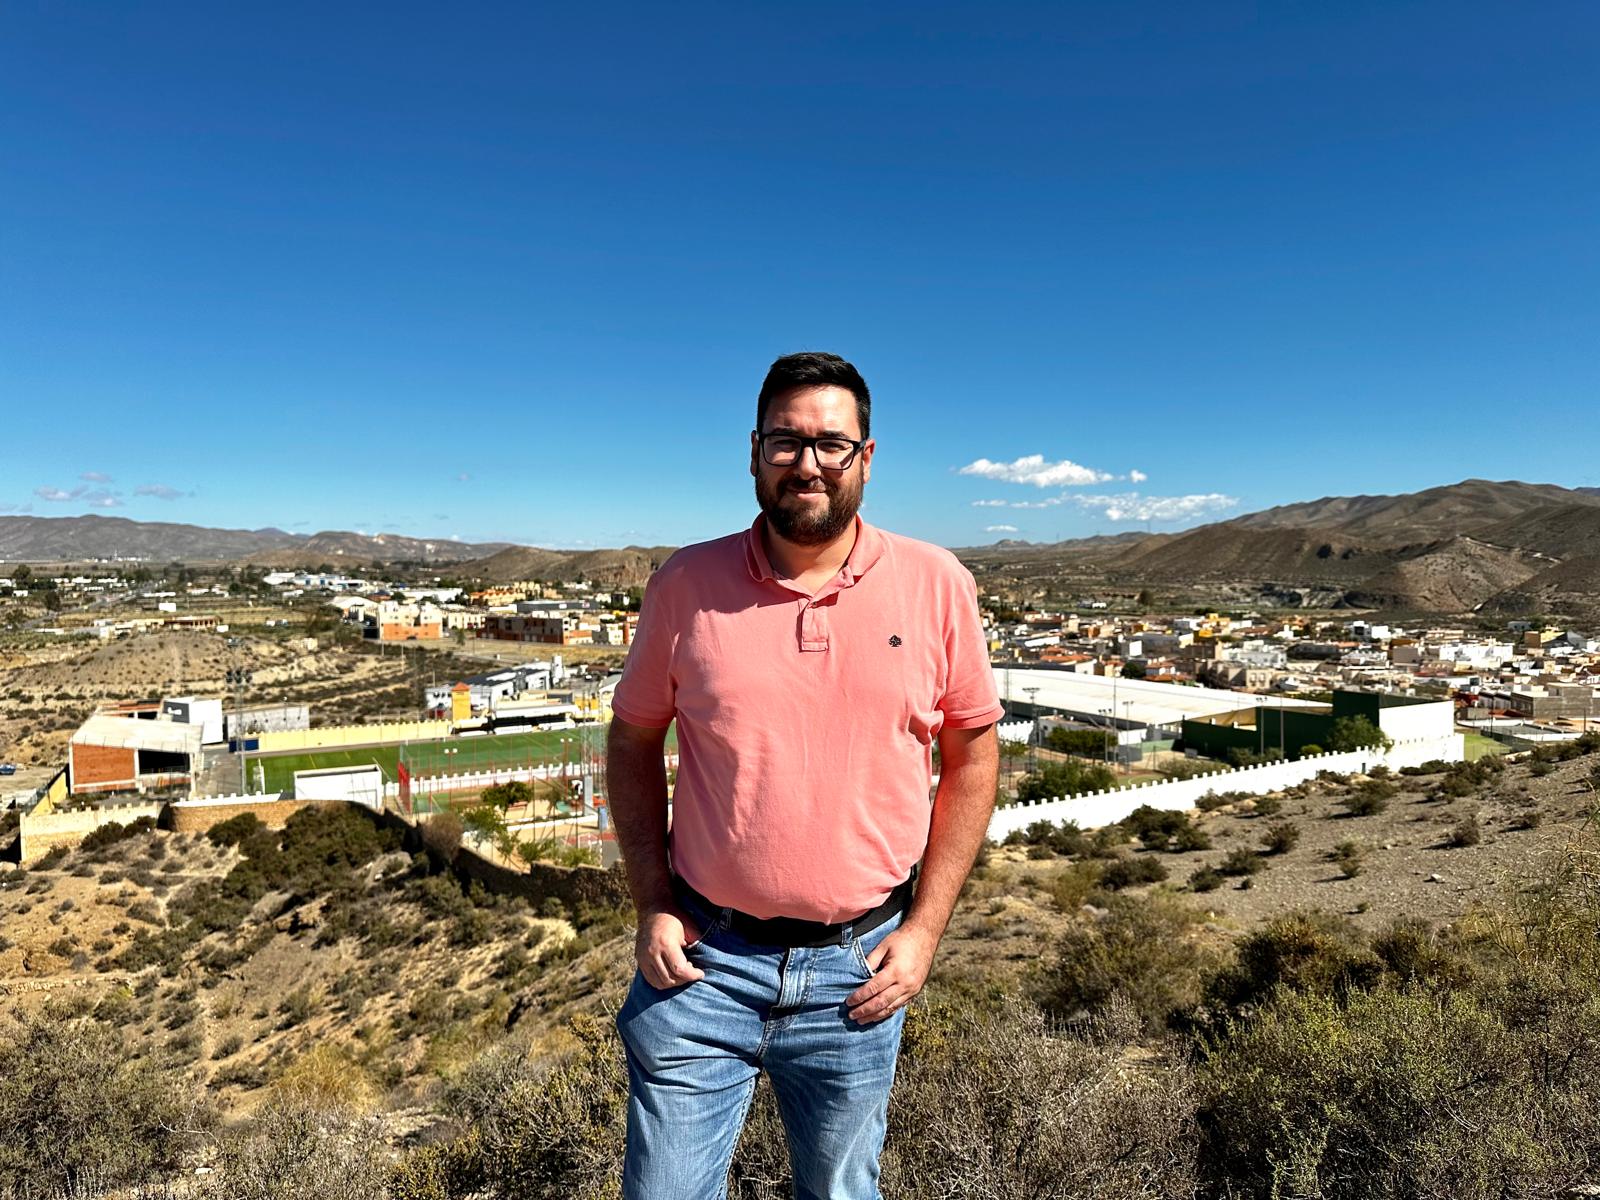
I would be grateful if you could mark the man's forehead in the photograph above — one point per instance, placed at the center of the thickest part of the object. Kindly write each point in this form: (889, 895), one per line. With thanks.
(828, 409)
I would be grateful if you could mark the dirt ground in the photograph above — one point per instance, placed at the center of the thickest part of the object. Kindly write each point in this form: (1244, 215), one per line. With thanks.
(1008, 917)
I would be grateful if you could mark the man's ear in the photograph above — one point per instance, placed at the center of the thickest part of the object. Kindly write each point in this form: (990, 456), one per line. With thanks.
(755, 449)
(867, 452)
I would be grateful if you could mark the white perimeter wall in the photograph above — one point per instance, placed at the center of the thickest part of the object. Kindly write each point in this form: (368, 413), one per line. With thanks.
(358, 785)
(1418, 722)
(1105, 808)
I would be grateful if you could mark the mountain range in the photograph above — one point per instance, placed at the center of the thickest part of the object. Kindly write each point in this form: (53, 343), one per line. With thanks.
(86, 538)
(1500, 547)
(1506, 547)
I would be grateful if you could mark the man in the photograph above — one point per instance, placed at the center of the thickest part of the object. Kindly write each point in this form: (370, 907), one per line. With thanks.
(811, 663)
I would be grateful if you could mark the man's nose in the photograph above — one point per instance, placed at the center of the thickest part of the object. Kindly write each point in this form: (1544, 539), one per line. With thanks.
(814, 470)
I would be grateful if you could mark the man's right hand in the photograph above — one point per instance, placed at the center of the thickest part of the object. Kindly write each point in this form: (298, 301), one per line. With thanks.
(659, 944)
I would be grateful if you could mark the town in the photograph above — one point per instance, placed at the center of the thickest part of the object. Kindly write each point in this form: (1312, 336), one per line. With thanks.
(503, 691)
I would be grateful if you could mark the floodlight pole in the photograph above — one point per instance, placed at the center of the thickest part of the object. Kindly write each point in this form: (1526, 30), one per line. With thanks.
(1033, 742)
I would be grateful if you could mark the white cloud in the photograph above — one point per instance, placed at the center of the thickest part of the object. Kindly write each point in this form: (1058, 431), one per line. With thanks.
(98, 498)
(463, 477)
(1137, 476)
(95, 477)
(159, 490)
(1000, 529)
(990, 503)
(1131, 506)
(1033, 469)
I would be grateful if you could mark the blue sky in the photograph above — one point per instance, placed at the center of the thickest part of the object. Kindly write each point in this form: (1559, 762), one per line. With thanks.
(515, 272)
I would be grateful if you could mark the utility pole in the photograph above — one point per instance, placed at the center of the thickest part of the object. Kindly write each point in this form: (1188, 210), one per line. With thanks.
(1033, 740)
(238, 678)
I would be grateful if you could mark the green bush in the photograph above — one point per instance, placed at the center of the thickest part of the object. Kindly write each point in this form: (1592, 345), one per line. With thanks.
(1165, 829)
(1091, 743)
(1281, 837)
(1212, 801)
(1304, 951)
(1121, 872)
(1071, 778)
(1205, 879)
(1267, 806)
(1241, 861)
(1347, 856)
(111, 834)
(1369, 798)
(236, 831)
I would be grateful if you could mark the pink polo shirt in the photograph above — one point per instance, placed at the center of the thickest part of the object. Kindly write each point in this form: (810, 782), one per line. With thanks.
(806, 722)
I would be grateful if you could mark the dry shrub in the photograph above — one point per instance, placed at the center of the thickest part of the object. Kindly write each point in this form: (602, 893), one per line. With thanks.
(1305, 951)
(295, 1149)
(441, 835)
(1387, 1095)
(1142, 949)
(987, 1105)
(326, 1077)
(550, 1130)
(80, 1116)
(992, 1106)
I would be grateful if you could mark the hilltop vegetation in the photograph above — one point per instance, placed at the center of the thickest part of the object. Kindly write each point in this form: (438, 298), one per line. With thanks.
(318, 1013)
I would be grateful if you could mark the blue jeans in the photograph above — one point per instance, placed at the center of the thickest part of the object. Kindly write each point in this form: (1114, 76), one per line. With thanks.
(694, 1053)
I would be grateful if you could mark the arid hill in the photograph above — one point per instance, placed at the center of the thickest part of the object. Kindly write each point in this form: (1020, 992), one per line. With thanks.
(1446, 550)
(628, 567)
(76, 539)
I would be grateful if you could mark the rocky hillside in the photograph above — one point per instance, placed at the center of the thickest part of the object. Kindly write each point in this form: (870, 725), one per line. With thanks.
(1147, 1010)
(77, 539)
(1448, 549)
(628, 567)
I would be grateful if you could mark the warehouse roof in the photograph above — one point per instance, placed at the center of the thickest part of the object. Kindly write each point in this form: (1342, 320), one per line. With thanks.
(131, 733)
(1136, 700)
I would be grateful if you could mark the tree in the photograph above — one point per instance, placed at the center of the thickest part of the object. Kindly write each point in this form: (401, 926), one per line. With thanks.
(22, 574)
(1070, 778)
(1133, 670)
(1357, 733)
(1092, 743)
(1011, 750)
(52, 601)
(504, 795)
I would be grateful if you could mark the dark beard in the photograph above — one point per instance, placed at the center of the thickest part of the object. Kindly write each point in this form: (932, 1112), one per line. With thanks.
(805, 528)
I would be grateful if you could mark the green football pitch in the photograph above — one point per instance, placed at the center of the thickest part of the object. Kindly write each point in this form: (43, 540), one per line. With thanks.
(450, 756)
(447, 756)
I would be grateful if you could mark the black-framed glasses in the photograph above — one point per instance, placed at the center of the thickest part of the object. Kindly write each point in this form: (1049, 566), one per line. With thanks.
(833, 453)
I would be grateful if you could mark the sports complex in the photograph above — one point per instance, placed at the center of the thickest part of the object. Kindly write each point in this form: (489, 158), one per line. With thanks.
(565, 752)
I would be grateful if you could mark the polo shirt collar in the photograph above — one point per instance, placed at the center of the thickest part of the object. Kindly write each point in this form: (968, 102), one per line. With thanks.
(867, 551)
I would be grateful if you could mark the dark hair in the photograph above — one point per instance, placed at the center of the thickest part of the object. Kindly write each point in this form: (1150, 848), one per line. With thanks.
(814, 368)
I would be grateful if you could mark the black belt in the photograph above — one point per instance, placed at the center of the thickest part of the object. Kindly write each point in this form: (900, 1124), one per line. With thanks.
(792, 931)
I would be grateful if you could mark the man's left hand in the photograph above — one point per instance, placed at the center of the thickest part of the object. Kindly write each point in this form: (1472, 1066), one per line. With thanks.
(901, 964)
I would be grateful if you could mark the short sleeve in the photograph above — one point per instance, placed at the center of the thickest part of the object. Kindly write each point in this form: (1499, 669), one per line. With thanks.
(646, 694)
(970, 699)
